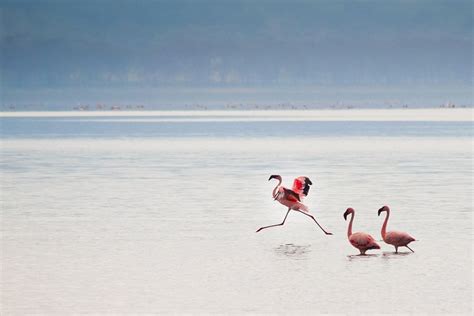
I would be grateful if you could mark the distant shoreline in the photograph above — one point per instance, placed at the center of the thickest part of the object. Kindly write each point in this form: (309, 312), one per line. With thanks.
(207, 108)
(358, 114)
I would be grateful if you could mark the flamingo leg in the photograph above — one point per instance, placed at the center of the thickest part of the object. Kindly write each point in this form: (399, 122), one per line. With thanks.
(314, 219)
(275, 224)
(410, 248)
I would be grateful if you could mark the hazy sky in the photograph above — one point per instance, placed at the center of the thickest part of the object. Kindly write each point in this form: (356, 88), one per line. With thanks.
(54, 44)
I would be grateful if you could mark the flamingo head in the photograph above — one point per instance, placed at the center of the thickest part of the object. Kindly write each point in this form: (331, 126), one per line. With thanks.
(384, 208)
(275, 176)
(350, 210)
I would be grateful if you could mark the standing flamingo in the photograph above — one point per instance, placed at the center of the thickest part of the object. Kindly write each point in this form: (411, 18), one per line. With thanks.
(292, 198)
(397, 239)
(359, 240)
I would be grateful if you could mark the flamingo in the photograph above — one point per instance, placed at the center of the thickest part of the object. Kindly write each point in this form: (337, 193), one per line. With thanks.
(397, 239)
(292, 198)
(359, 240)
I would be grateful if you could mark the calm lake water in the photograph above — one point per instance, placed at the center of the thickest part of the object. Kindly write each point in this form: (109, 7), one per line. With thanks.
(156, 213)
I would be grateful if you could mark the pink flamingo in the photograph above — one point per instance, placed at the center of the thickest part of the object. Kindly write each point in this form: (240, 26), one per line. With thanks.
(292, 198)
(397, 239)
(359, 240)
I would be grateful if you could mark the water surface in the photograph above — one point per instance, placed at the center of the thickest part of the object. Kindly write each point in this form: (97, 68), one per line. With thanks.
(137, 215)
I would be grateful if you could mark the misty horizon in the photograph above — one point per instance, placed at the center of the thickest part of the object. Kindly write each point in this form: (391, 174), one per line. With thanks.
(170, 53)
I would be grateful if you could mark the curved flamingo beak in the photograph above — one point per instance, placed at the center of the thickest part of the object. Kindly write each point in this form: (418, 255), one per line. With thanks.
(381, 210)
(345, 215)
(272, 177)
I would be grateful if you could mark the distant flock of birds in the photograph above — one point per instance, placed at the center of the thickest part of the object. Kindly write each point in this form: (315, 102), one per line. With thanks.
(292, 198)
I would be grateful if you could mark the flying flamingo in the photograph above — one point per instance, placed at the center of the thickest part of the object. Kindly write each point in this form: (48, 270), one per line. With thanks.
(397, 239)
(359, 240)
(292, 198)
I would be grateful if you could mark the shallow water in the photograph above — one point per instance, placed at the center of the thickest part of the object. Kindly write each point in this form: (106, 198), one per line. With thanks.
(154, 217)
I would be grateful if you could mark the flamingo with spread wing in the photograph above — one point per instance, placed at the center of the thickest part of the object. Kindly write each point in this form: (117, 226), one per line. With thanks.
(292, 198)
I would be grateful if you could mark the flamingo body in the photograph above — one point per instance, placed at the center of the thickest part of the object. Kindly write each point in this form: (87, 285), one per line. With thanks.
(359, 240)
(363, 242)
(395, 238)
(398, 239)
(290, 199)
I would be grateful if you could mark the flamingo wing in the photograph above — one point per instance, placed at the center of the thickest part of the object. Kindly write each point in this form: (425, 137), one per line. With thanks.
(301, 186)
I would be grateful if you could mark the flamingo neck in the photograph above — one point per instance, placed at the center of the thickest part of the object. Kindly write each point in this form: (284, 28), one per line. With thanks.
(276, 188)
(384, 226)
(349, 228)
